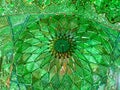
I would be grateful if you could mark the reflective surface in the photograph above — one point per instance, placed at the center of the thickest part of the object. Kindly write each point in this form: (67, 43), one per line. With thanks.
(59, 45)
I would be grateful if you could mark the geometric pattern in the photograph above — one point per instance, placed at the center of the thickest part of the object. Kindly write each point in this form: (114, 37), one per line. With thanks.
(54, 45)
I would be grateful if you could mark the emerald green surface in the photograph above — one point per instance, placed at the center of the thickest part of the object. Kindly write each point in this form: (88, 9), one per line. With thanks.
(62, 45)
(59, 45)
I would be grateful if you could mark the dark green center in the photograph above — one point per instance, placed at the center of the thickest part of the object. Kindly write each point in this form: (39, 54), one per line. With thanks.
(62, 45)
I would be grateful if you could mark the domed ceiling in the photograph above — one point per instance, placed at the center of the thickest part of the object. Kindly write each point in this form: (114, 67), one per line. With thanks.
(59, 45)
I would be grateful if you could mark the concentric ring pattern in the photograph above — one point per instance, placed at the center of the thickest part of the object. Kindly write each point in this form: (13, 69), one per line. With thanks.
(59, 45)
(86, 68)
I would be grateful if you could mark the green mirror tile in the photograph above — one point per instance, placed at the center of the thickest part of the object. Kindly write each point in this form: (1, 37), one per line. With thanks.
(59, 45)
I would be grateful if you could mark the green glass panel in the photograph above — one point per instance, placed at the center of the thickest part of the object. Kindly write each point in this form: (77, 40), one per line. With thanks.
(59, 45)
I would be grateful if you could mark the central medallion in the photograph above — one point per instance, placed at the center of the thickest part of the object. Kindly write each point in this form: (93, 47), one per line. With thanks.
(62, 45)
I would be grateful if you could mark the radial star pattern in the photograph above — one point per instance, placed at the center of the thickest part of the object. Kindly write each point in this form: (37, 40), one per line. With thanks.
(59, 45)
